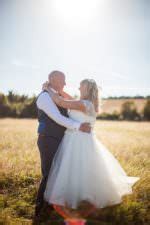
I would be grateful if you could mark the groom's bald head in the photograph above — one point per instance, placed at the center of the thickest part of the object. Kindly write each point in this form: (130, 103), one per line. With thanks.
(57, 80)
(54, 75)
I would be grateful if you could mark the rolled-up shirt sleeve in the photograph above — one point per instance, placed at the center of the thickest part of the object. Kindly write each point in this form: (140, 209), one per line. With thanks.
(46, 104)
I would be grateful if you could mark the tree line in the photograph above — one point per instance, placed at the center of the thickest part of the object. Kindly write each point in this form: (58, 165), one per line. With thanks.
(17, 106)
(22, 106)
(128, 112)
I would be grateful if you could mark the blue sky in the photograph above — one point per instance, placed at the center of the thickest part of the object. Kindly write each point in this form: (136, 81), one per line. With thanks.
(107, 40)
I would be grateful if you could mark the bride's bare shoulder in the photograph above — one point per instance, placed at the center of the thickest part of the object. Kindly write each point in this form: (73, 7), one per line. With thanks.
(90, 109)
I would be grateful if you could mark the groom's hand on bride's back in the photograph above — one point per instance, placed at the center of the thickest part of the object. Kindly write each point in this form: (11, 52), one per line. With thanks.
(85, 127)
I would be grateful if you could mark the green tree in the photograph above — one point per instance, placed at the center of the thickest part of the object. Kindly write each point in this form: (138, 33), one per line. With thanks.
(15, 98)
(129, 111)
(146, 111)
(4, 108)
(30, 110)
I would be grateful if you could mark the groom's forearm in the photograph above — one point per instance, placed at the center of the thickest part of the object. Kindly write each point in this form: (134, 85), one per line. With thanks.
(45, 103)
(66, 95)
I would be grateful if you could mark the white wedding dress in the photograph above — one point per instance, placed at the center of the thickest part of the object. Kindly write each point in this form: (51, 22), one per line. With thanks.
(84, 169)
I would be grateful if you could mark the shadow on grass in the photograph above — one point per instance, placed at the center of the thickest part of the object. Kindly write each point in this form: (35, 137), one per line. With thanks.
(17, 202)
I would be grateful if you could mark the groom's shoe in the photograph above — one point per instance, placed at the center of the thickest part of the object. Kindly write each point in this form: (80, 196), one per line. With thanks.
(48, 208)
(36, 220)
(37, 214)
(38, 209)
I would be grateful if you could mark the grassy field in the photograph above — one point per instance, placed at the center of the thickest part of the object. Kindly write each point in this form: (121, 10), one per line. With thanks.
(20, 172)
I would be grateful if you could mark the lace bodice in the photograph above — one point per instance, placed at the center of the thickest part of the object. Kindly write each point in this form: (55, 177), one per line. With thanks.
(89, 116)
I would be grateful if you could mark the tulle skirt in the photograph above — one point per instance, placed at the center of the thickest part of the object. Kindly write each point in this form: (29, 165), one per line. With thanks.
(83, 169)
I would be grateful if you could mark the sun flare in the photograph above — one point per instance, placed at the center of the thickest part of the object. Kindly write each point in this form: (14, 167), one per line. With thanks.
(75, 11)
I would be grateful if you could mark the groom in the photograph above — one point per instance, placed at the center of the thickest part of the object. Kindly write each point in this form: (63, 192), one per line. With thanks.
(53, 121)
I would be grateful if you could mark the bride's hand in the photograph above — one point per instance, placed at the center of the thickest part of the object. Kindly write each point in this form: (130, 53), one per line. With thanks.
(55, 96)
(45, 86)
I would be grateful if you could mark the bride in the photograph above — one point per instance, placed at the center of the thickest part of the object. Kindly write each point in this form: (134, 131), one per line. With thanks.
(83, 168)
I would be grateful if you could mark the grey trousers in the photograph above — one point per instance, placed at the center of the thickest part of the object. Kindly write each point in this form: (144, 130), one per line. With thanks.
(47, 147)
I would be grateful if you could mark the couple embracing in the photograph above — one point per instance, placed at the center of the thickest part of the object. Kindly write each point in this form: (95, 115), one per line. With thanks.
(75, 165)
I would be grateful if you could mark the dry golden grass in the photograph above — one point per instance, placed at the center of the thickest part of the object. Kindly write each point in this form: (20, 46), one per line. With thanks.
(20, 169)
(18, 146)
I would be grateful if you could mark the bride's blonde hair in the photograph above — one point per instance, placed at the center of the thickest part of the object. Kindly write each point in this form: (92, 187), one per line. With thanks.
(91, 92)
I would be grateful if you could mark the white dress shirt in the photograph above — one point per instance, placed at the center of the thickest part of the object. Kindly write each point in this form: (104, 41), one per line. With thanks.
(46, 104)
